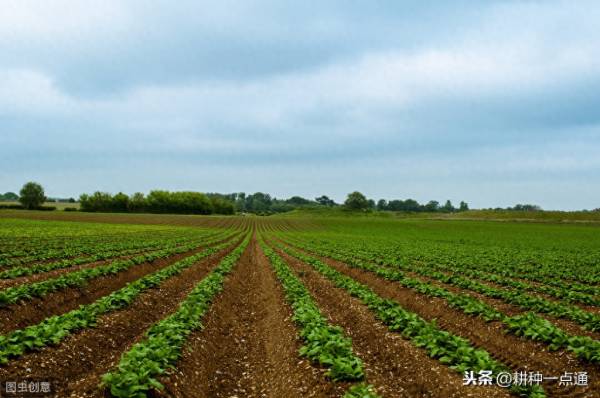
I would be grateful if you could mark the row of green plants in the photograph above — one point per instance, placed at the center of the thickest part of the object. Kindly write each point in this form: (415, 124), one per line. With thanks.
(562, 291)
(528, 302)
(28, 291)
(449, 349)
(139, 368)
(54, 329)
(324, 343)
(100, 253)
(529, 325)
(575, 270)
(70, 247)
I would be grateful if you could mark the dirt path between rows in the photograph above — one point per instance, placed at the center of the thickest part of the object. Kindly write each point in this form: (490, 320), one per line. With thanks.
(249, 345)
(79, 362)
(31, 312)
(393, 365)
(518, 353)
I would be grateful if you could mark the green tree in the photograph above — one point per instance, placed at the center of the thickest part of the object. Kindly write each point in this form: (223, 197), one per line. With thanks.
(463, 206)
(137, 202)
(432, 206)
(448, 207)
(324, 200)
(297, 201)
(356, 201)
(382, 204)
(120, 202)
(32, 195)
(9, 197)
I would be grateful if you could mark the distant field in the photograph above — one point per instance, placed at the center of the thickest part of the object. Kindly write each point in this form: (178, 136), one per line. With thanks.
(296, 305)
(554, 216)
(58, 205)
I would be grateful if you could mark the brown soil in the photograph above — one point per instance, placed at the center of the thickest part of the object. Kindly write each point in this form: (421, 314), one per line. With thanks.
(31, 312)
(249, 345)
(82, 358)
(393, 365)
(517, 353)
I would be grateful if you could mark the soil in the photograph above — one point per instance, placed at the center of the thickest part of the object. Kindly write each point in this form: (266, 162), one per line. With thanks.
(249, 344)
(393, 365)
(82, 358)
(517, 353)
(31, 312)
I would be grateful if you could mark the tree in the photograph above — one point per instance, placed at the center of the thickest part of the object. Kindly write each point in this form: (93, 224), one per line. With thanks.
(463, 206)
(356, 201)
(382, 204)
(525, 207)
(372, 204)
(325, 201)
(32, 195)
(448, 207)
(9, 197)
(120, 202)
(432, 206)
(297, 201)
(137, 202)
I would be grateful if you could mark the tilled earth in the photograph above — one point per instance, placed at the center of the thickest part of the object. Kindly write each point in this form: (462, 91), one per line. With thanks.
(248, 343)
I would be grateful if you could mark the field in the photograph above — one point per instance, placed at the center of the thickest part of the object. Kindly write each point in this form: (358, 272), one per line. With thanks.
(131, 305)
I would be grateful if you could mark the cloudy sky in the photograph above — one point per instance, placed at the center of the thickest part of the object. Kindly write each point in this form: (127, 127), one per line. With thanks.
(493, 102)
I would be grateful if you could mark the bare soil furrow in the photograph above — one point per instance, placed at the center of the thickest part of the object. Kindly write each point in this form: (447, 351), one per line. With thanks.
(249, 345)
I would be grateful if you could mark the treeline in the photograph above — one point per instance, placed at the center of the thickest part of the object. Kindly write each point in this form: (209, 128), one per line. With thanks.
(9, 197)
(518, 207)
(157, 202)
(411, 205)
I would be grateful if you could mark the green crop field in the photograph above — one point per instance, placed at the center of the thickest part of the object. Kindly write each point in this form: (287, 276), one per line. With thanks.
(298, 305)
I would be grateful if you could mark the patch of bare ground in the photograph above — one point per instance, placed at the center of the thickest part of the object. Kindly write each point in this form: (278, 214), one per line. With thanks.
(79, 362)
(249, 344)
(392, 364)
(515, 352)
(31, 312)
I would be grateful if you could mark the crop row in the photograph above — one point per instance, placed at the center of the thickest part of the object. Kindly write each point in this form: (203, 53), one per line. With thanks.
(54, 329)
(71, 249)
(442, 345)
(139, 367)
(78, 278)
(530, 326)
(324, 343)
(100, 253)
(531, 303)
(564, 291)
(507, 263)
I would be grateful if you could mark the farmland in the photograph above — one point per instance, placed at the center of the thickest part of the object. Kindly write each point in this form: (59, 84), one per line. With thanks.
(133, 305)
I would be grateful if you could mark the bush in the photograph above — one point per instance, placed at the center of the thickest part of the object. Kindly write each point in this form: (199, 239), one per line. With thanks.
(13, 207)
(70, 209)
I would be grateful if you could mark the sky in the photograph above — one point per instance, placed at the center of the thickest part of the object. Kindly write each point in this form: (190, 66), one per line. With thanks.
(491, 102)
